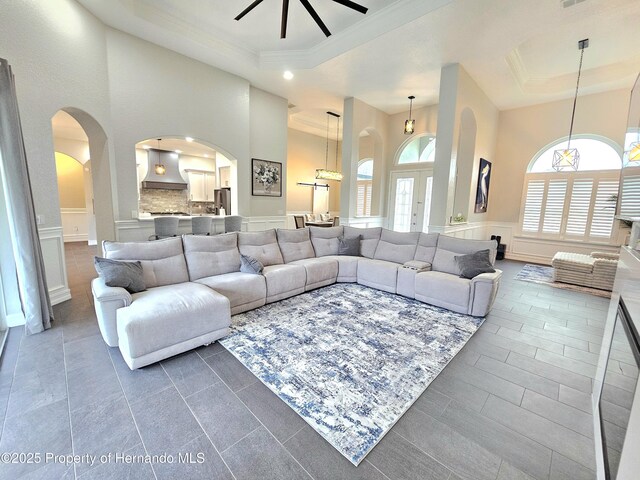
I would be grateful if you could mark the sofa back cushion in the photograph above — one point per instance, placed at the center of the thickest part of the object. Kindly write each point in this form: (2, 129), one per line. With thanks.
(370, 239)
(211, 255)
(426, 247)
(162, 261)
(295, 244)
(325, 240)
(397, 247)
(450, 247)
(263, 246)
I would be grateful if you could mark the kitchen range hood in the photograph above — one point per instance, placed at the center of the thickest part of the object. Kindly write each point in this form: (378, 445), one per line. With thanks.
(163, 171)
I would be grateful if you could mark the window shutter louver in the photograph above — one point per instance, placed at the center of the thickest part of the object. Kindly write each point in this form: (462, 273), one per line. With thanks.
(579, 207)
(630, 204)
(533, 206)
(604, 208)
(360, 200)
(368, 199)
(554, 206)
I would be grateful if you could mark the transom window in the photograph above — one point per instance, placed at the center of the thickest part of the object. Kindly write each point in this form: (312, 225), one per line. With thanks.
(421, 149)
(573, 205)
(364, 185)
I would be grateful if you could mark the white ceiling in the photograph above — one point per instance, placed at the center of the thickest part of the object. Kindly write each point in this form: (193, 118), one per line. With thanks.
(520, 52)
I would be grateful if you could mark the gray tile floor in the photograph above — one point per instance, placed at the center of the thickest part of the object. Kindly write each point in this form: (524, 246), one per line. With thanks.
(514, 403)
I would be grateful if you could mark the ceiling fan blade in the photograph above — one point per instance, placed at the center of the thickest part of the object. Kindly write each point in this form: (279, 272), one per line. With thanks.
(353, 5)
(248, 9)
(316, 17)
(285, 15)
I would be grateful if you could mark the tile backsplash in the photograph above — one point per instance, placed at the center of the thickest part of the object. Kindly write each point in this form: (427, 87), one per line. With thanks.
(160, 200)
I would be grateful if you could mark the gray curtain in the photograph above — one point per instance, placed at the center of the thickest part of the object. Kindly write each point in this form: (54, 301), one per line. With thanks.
(34, 295)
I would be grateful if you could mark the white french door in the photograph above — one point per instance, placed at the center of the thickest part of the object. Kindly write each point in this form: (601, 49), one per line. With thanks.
(410, 201)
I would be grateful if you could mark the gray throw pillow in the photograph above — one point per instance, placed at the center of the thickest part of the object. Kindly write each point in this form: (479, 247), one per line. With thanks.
(127, 275)
(250, 265)
(474, 264)
(349, 246)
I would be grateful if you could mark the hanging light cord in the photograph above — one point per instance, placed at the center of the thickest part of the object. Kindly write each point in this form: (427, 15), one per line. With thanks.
(575, 99)
(337, 134)
(326, 151)
(410, 107)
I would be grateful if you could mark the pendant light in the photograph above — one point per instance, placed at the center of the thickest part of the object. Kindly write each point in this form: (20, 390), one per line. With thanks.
(569, 158)
(632, 154)
(410, 124)
(325, 173)
(159, 167)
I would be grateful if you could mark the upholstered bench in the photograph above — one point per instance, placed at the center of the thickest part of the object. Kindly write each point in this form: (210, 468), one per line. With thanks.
(597, 270)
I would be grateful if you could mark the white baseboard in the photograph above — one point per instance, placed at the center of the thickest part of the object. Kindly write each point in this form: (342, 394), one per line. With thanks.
(78, 237)
(59, 295)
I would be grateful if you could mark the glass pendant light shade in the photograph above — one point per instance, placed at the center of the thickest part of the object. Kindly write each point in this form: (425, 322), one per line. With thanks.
(633, 154)
(160, 169)
(410, 124)
(564, 159)
(324, 174)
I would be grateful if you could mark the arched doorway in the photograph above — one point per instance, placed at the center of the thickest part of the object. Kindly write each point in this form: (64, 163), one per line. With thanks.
(75, 183)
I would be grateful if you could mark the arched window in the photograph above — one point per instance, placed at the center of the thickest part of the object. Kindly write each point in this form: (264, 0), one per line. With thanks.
(364, 184)
(595, 154)
(421, 149)
(569, 204)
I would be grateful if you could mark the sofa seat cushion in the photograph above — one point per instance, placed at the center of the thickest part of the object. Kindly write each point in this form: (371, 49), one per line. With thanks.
(284, 281)
(163, 316)
(320, 271)
(378, 274)
(245, 291)
(347, 268)
(443, 290)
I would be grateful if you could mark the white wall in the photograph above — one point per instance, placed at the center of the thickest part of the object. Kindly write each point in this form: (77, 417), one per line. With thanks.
(268, 142)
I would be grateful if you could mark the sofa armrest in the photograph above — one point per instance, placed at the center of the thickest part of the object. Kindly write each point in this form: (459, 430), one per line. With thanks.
(484, 289)
(487, 277)
(107, 301)
(103, 293)
(417, 265)
(605, 255)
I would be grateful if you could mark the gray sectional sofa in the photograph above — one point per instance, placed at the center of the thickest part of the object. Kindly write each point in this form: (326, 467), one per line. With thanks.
(194, 283)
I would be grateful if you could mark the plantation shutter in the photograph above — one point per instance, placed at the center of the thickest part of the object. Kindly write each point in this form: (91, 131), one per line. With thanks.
(367, 209)
(604, 208)
(579, 207)
(630, 204)
(360, 200)
(533, 206)
(554, 206)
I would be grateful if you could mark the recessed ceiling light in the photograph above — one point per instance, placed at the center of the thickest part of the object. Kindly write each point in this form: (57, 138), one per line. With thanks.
(287, 75)
(189, 139)
(178, 151)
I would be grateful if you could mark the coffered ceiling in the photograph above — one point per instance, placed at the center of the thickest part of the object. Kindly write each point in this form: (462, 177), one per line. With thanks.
(520, 52)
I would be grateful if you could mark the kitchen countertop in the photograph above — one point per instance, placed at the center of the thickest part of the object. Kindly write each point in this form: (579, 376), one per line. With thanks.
(182, 217)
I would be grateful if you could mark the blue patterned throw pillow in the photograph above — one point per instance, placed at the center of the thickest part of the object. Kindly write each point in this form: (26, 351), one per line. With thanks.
(250, 265)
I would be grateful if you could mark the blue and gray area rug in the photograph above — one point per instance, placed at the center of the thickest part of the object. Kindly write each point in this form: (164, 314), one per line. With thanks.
(348, 359)
(544, 275)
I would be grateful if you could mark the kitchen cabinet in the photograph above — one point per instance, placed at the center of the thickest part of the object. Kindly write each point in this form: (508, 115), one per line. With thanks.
(201, 185)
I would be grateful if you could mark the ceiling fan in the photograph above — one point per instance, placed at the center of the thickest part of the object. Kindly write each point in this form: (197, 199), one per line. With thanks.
(310, 9)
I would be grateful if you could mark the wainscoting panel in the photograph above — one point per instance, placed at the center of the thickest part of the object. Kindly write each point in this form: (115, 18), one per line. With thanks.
(52, 244)
(75, 224)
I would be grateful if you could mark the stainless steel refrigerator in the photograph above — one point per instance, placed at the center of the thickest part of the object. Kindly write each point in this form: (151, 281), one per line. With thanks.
(223, 199)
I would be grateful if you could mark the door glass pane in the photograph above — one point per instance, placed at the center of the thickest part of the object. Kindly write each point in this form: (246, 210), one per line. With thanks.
(404, 204)
(427, 205)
